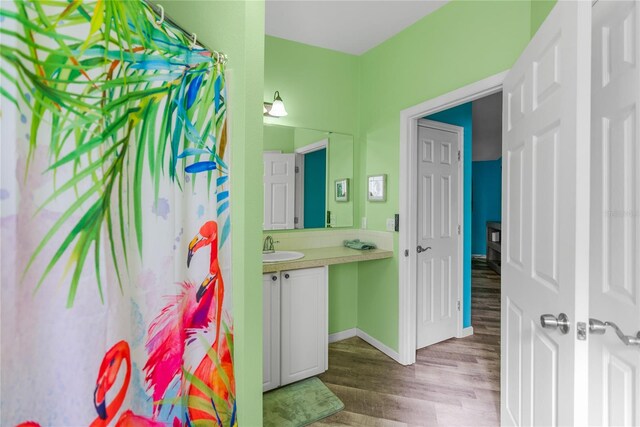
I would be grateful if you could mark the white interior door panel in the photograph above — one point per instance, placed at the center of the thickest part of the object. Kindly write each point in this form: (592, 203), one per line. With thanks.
(546, 127)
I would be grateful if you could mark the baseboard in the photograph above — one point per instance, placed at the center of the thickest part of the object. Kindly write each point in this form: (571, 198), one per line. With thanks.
(342, 335)
(377, 344)
(468, 331)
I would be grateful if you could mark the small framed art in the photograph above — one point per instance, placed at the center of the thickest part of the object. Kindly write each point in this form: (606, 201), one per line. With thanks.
(377, 188)
(342, 190)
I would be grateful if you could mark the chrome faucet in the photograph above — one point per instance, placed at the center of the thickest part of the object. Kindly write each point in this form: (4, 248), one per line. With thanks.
(267, 246)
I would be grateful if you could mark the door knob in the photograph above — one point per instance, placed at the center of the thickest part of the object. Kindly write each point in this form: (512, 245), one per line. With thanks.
(598, 327)
(274, 278)
(420, 249)
(549, 321)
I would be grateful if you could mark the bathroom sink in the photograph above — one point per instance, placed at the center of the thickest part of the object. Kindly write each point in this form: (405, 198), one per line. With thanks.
(279, 256)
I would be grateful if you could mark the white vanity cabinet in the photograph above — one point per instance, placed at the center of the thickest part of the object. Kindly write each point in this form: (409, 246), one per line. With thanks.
(295, 340)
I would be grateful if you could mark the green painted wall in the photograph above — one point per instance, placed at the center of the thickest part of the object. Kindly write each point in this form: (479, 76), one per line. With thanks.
(343, 294)
(305, 137)
(237, 28)
(460, 43)
(539, 11)
(319, 87)
(278, 138)
(340, 167)
(320, 90)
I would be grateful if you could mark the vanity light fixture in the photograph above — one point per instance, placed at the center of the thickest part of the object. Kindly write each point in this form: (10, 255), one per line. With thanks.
(276, 108)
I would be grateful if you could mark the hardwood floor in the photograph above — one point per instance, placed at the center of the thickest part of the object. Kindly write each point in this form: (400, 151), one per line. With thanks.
(453, 383)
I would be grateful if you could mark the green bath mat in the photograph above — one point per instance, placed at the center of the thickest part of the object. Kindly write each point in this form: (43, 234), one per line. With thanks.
(299, 404)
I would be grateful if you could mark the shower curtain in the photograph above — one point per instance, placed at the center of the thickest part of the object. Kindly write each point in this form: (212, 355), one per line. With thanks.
(115, 227)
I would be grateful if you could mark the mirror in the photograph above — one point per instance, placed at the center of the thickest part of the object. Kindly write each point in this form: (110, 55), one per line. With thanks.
(308, 177)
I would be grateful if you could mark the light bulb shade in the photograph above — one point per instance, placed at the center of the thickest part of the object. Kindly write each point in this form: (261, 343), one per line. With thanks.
(277, 109)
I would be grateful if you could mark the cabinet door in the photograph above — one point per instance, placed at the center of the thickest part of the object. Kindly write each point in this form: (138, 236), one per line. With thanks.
(270, 331)
(304, 328)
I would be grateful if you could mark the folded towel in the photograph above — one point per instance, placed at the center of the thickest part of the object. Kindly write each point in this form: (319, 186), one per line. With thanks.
(357, 244)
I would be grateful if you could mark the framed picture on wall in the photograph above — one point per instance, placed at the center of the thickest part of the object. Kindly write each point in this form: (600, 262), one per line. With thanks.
(377, 188)
(342, 190)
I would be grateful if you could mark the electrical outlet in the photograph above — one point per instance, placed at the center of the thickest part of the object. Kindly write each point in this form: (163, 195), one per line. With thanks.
(391, 224)
(363, 223)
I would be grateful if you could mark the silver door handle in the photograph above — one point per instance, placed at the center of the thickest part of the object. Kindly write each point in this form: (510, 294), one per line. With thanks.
(420, 249)
(549, 321)
(598, 327)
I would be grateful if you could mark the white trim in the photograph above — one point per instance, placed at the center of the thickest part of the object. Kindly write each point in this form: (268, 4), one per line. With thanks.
(298, 211)
(342, 335)
(316, 146)
(466, 332)
(379, 345)
(408, 170)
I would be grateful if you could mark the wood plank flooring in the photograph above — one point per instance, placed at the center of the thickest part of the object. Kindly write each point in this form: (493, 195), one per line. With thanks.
(453, 383)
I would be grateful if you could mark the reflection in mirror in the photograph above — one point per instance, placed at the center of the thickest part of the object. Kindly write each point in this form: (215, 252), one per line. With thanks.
(307, 178)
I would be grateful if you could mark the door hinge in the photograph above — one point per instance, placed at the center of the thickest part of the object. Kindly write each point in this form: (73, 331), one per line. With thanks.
(298, 168)
(458, 155)
(295, 219)
(458, 228)
(458, 305)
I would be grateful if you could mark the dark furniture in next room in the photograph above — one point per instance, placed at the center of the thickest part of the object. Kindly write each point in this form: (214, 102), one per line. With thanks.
(494, 237)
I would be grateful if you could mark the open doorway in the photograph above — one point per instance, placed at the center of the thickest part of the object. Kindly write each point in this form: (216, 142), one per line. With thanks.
(465, 192)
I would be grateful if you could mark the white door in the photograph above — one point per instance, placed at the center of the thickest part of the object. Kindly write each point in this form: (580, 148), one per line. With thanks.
(545, 210)
(438, 239)
(304, 323)
(270, 331)
(614, 368)
(279, 191)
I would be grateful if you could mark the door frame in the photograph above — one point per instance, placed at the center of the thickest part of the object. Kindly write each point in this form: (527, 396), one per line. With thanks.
(407, 263)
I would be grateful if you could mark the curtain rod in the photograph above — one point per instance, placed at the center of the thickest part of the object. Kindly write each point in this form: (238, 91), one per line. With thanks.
(219, 57)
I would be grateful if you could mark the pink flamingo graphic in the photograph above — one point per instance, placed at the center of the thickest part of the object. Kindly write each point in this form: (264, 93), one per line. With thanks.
(208, 236)
(107, 375)
(169, 334)
(187, 312)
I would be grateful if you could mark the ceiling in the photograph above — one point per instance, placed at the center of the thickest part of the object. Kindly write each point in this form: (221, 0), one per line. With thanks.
(350, 26)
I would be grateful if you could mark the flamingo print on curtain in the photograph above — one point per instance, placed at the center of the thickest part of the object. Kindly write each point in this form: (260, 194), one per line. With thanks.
(115, 220)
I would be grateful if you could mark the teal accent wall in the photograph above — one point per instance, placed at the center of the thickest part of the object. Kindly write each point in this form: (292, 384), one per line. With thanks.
(315, 183)
(486, 201)
(462, 116)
